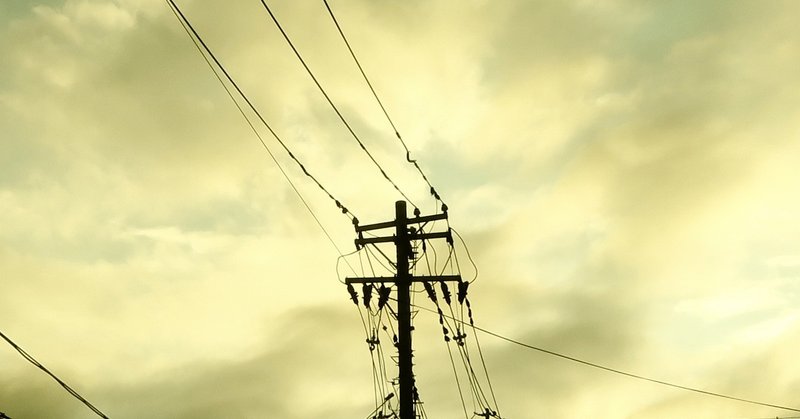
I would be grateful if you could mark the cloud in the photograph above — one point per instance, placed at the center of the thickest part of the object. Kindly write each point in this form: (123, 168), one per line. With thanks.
(289, 376)
(622, 171)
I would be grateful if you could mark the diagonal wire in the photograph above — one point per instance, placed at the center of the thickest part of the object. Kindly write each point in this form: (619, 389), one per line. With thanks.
(195, 37)
(336, 109)
(383, 108)
(69, 389)
(620, 372)
(255, 110)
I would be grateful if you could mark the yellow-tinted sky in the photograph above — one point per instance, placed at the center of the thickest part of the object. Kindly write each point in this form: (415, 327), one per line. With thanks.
(625, 173)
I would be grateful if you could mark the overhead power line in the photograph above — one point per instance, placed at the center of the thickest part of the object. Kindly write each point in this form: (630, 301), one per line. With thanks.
(616, 371)
(383, 108)
(333, 105)
(69, 389)
(206, 52)
(197, 36)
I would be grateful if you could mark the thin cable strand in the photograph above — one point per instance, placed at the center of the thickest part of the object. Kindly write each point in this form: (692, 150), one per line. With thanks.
(330, 102)
(380, 103)
(36, 363)
(258, 114)
(260, 139)
(620, 372)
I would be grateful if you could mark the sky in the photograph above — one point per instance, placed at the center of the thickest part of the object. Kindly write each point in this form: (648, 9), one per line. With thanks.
(623, 172)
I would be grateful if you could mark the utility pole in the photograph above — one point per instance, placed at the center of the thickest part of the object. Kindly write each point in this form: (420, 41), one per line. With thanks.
(403, 238)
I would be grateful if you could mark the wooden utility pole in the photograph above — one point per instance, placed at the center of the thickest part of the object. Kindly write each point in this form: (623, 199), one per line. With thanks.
(403, 283)
(402, 239)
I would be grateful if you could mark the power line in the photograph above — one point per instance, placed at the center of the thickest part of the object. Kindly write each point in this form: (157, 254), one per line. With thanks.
(616, 371)
(330, 102)
(383, 108)
(195, 37)
(69, 389)
(258, 114)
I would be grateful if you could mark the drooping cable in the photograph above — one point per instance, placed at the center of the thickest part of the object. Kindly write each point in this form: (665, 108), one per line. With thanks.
(69, 389)
(466, 249)
(196, 35)
(330, 102)
(620, 372)
(471, 321)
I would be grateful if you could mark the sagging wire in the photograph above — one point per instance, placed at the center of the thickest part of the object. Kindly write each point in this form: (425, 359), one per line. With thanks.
(338, 260)
(466, 302)
(471, 320)
(466, 249)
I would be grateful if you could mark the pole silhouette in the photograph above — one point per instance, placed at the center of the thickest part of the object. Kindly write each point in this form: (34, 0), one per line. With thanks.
(403, 238)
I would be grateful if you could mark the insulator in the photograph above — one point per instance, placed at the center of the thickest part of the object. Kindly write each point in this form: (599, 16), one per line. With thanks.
(429, 289)
(462, 291)
(445, 292)
(444, 208)
(353, 294)
(355, 221)
(367, 290)
(383, 296)
(416, 212)
(449, 238)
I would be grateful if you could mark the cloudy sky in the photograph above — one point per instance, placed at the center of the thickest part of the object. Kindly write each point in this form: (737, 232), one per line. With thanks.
(624, 172)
